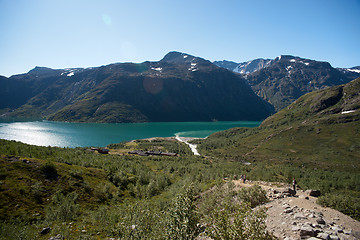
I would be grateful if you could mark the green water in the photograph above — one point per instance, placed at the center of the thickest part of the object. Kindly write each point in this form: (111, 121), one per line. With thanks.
(62, 134)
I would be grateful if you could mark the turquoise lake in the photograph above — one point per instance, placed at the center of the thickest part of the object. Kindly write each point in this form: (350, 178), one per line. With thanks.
(62, 134)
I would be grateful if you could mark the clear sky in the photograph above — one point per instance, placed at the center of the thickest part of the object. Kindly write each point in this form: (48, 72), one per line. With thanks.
(89, 33)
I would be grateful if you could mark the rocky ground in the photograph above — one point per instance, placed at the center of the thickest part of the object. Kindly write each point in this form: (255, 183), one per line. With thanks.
(293, 217)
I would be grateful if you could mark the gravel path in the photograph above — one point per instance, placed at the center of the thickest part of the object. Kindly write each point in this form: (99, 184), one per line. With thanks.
(299, 217)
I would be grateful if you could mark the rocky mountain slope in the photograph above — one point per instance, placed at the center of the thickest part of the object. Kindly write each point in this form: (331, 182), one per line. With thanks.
(288, 78)
(229, 65)
(180, 87)
(284, 79)
(252, 66)
(244, 67)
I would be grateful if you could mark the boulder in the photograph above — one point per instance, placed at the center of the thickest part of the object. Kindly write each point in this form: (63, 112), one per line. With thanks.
(334, 237)
(323, 236)
(313, 193)
(337, 229)
(307, 231)
(320, 221)
(299, 216)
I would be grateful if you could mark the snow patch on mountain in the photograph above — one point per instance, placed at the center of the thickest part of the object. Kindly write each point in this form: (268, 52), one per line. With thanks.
(252, 66)
(353, 70)
(159, 69)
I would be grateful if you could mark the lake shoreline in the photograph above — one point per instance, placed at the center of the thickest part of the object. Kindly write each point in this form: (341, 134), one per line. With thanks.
(72, 135)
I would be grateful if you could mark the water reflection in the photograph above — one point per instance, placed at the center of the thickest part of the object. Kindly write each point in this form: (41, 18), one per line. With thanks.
(45, 133)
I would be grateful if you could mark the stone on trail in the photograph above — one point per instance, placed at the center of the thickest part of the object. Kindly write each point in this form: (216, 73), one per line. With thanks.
(334, 237)
(307, 231)
(323, 236)
(320, 221)
(299, 216)
(313, 193)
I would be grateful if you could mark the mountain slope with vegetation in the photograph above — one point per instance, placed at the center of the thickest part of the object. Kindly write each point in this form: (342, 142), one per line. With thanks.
(180, 87)
(315, 139)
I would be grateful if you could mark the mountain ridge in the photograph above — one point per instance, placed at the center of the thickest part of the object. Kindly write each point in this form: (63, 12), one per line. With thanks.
(179, 87)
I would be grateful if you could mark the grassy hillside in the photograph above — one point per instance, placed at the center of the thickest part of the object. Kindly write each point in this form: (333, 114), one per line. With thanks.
(83, 194)
(316, 139)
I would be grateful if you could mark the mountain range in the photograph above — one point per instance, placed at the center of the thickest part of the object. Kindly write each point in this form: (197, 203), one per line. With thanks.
(284, 79)
(180, 87)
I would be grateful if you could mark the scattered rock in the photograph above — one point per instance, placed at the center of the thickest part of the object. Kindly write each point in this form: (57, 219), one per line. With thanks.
(320, 221)
(337, 229)
(323, 236)
(288, 210)
(57, 237)
(307, 231)
(334, 237)
(299, 216)
(45, 230)
(295, 228)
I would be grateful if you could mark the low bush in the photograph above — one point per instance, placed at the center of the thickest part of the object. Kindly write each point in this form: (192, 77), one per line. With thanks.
(183, 217)
(343, 202)
(241, 223)
(253, 195)
(49, 170)
(62, 207)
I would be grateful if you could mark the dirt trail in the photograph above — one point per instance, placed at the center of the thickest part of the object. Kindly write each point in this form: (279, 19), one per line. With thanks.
(299, 217)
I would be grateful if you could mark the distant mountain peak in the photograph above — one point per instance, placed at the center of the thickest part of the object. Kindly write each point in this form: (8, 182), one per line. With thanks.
(179, 57)
(40, 70)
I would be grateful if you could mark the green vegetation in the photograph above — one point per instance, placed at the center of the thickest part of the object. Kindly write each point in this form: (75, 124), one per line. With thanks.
(83, 194)
(310, 140)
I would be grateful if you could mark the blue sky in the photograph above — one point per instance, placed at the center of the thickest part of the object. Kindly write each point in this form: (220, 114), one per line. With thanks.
(76, 33)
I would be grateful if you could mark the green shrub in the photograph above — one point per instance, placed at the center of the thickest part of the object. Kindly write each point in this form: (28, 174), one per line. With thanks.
(17, 230)
(253, 195)
(36, 191)
(183, 217)
(103, 192)
(241, 223)
(342, 202)
(75, 173)
(49, 170)
(63, 207)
